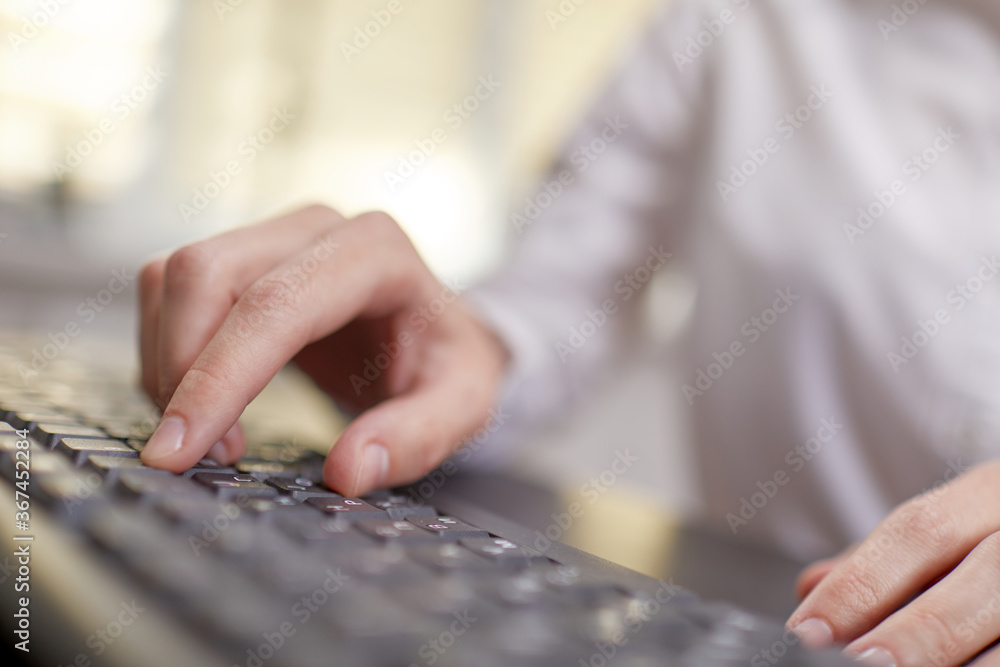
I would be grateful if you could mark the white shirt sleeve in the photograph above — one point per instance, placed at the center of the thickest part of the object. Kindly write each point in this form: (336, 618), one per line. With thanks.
(595, 228)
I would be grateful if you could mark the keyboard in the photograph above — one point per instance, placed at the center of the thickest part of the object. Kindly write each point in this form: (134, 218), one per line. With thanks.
(259, 564)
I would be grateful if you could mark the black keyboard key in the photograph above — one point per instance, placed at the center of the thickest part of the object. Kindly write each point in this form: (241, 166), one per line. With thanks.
(353, 509)
(49, 433)
(208, 465)
(396, 531)
(323, 531)
(234, 486)
(274, 506)
(504, 551)
(399, 507)
(447, 527)
(150, 484)
(194, 510)
(78, 449)
(449, 557)
(108, 467)
(69, 494)
(301, 488)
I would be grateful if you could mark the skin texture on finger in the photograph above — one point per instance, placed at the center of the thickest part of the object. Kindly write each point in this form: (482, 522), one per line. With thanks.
(815, 573)
(375, 271)
(202, 282)
(423, 426)
(920, 541)
(950, 622)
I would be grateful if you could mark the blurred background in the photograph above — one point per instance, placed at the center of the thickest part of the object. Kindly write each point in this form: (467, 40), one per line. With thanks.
(132, 126)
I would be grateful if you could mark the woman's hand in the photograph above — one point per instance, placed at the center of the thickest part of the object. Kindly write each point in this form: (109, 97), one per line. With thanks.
(353, 304)
(922, 589)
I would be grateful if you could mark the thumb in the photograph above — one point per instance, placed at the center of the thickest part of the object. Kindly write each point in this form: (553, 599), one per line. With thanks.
(404, 438)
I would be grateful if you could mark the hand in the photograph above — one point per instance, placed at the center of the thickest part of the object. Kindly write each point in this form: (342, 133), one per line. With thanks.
(922, 589)
(221, 317)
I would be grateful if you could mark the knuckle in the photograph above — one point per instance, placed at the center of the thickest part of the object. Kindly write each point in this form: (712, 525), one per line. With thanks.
(273, 295)
(927, 526)
(933, 623)
(383, 225)
(854, 597)
(989, 550)
(197, 260)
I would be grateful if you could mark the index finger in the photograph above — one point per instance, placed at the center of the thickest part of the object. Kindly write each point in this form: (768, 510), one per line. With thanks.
(358, 268)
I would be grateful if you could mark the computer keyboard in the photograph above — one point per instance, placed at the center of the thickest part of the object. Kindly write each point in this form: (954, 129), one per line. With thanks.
(260, 564)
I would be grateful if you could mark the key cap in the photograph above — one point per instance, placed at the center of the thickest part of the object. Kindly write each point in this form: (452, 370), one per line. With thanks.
(28, 418)
(262, 469)
(194, 510)
(396, 531)
(301, 488)
(270, 508)
(49, 434)
(208, 465)
(449, 557)
(147, 485)
(504, 551)
(72, 494)
(352, 509)
(108, 467)
(323, 531)
(78, 449)
(233, 486)
(399, 507)
(447, 527)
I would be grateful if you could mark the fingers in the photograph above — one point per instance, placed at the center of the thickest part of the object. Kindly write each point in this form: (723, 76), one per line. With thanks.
(949, 623)
(365, 266)
(405, 437)
(814, 574)
(916, 544)
(202, 282)
(990, 658)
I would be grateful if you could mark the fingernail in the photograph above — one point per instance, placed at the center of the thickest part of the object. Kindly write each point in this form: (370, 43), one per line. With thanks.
(218, 453)
(814, 633)
(374, 468)
(876, 657)
(167, 439)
